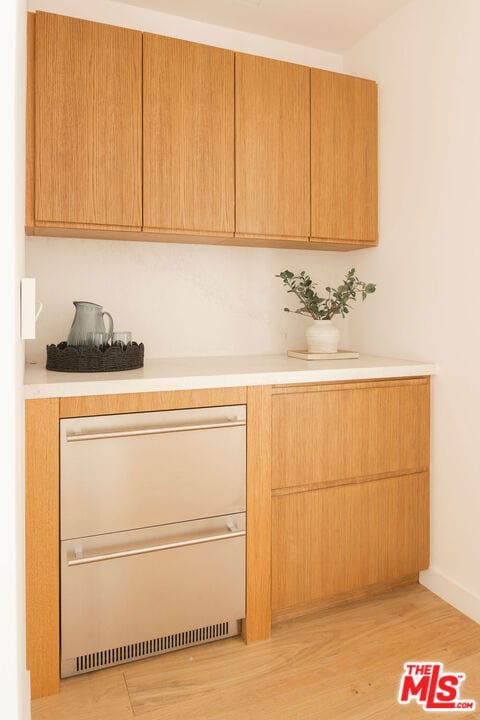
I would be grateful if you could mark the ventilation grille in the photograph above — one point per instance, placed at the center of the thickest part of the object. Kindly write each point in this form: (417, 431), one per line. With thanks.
(156, 646)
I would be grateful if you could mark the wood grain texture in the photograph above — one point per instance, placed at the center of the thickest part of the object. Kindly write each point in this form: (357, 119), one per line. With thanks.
(84, 406)
(292, 243)
(340, 481)
(339, 664)
(329, 434)
(30, 124)
(344, 157)
(88, 123)
(272, 147)
(293, 388)
(92, 227)
(340, 539)
(42, 545)
(297, 241)
(139, 235)
(340, 245)
(85, 135)
(191, 238)
(188, 136)
(364, 593)
(284, 243)
(257, 625)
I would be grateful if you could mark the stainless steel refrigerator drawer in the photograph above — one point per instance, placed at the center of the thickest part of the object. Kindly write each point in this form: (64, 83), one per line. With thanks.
(134, 587)
(144, 469)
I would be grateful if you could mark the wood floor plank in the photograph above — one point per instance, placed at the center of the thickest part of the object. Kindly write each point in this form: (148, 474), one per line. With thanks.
(469, 690)
(96, 696)
(340, 664)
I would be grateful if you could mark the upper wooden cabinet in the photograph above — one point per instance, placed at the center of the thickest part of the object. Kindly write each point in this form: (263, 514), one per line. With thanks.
(344, 158)
(139, 136)
(88, 125)
(188, 122)
(272, 159)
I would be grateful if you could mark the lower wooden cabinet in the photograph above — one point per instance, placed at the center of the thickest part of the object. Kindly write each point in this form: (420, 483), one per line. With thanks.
(334, 433)
(337, 496)
(340, 539)
(350, 484)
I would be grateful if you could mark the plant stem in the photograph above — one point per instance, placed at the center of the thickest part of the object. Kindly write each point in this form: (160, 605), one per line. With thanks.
(309, 311)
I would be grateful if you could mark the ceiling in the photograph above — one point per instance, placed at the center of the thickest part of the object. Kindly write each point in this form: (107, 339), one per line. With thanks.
(333, 25)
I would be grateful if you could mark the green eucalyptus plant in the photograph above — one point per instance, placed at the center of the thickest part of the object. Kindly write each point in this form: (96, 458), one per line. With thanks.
(336, 301)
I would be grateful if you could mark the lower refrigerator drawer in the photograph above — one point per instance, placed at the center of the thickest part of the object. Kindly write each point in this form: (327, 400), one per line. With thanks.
(132, 594)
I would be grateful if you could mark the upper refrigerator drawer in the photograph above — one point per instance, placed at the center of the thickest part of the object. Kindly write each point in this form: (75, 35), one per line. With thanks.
(120, 472)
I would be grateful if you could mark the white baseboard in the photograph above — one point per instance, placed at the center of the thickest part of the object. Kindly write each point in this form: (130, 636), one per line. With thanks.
(462, 599)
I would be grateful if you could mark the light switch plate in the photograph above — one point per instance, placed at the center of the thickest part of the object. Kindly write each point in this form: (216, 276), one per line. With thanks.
(29, 309)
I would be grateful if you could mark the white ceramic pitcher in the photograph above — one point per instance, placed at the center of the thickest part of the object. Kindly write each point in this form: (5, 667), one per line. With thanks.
(88, 319)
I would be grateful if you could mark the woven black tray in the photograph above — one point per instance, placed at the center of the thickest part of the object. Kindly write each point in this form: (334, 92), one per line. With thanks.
(86, 358)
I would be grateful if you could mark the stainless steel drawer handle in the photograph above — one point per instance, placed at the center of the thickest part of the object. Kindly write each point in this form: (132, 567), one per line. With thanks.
(155, 548)
(153, 431)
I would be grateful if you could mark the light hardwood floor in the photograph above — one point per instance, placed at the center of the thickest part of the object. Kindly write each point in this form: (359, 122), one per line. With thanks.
(343, 663)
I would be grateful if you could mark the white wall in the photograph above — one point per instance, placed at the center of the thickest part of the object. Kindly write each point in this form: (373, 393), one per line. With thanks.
(179, 299)
(138, 18)
(426, 59)
(13, 678)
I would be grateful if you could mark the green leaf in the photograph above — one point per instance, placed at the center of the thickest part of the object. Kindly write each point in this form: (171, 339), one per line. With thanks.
(324, 308)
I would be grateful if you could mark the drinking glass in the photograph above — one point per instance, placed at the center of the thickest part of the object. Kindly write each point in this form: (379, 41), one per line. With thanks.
(98, 339)
(122, 338)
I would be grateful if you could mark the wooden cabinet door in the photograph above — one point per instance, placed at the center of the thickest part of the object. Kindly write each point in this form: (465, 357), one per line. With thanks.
(340, 539)
(88, 124)
(188, 137)
(272, 148)
(349, 432)
(344, 157)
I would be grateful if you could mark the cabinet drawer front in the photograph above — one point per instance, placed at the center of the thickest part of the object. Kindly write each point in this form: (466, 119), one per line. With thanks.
(145, 469)
(88, 123)
(116, 598)
(331, 541)
(349, 432)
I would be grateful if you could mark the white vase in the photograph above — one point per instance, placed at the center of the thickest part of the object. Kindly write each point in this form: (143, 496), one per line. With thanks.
(322, 337)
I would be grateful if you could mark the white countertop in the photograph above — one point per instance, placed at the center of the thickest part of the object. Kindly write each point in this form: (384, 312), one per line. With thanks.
(215, 372)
